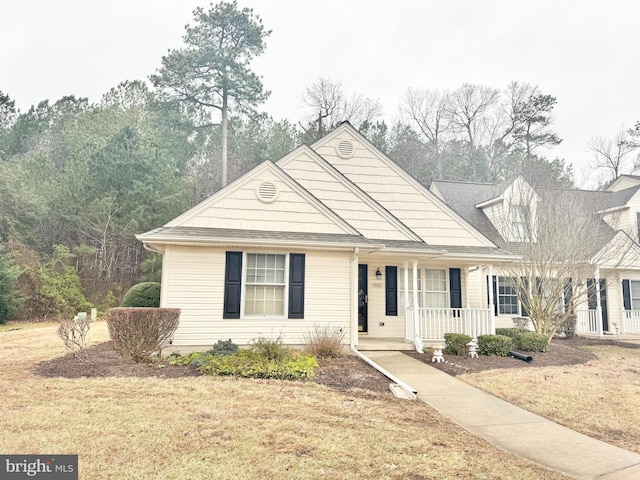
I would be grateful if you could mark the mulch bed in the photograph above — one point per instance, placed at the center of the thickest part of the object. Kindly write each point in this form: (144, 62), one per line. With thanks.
(562, 351)
(345, 374)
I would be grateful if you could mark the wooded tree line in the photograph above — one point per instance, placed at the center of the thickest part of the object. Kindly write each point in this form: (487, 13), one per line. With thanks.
(79, 179)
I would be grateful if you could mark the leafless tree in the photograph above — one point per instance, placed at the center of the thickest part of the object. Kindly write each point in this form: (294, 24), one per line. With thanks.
(427, 111)
(467, 108)
(562, 242)
(611, 155)
(329, 106)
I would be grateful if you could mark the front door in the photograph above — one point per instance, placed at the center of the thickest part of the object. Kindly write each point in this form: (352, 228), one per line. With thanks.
(363, 298)
(591, 290)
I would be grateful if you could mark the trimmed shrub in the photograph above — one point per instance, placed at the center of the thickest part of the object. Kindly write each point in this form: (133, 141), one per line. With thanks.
(532, 342)
(495, 345)
(146, 294)
(324, 341)
(511, 332)
(456, 343)
(138, 333)
(251, 363)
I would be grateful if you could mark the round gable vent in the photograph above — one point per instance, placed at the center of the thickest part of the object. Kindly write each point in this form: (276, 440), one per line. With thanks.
(267, 192)
(345, 149)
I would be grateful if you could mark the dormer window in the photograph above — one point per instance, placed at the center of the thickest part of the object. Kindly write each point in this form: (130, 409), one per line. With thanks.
(516, 223)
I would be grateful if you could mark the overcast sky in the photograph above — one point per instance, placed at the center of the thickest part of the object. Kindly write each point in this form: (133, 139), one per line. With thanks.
(585, 53)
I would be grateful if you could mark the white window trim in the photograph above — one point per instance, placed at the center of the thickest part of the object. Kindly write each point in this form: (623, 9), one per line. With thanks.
(631, 297)
(243, 298)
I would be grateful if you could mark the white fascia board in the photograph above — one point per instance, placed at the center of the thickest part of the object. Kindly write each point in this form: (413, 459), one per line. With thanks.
(263, 243)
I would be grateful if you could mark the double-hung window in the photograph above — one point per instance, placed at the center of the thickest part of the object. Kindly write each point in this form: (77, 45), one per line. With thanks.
(264, 284)
(507, 297)
(635, 294)
(517, 218)
(432, 288)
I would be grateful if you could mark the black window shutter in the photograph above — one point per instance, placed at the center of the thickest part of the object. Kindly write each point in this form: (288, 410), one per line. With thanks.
(495, 295)
(626, 294)
(526, 295)
(568, 294)
(296, 285)
(455, 288)
(391, 286)
(232, 285)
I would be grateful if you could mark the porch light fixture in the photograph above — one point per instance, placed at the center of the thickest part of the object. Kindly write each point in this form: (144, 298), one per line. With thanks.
(378, 274)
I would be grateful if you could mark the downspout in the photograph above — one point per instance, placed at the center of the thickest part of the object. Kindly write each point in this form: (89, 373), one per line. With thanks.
(406, 387)
(354, 298)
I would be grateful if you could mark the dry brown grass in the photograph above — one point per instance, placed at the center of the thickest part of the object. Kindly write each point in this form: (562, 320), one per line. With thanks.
(209, 427)
(600, 398)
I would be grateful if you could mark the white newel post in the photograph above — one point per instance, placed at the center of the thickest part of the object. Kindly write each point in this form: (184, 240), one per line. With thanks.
(416, 312)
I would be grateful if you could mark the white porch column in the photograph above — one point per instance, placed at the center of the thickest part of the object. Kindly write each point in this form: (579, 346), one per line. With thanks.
(409, 334)
(416, 312)
(598, 305)
(623, 313)
(354, 297)
(492, 300)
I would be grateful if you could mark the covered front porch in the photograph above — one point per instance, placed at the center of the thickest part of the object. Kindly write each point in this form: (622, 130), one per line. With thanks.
(425, 297)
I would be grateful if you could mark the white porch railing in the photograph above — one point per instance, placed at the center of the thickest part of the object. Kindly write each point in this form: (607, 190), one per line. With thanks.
(433, 323)
(588, 321)
(630, 322)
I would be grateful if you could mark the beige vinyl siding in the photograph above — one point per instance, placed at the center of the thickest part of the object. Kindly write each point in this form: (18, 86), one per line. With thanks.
(242, 209)
(393, 325)
(195, 284)
(474, 290)
(623, 183)
(414, 206)
(343, 201)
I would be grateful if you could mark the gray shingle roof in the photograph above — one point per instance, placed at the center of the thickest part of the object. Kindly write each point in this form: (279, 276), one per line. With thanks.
(464, 196)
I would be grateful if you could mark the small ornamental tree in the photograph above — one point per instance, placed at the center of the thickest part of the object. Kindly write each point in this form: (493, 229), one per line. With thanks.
(138, 333)
(146, 294)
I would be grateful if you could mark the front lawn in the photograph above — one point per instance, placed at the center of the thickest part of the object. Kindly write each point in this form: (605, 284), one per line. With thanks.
(204, 427)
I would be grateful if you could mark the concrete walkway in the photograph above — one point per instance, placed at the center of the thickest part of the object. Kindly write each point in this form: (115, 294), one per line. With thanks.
(509, 427)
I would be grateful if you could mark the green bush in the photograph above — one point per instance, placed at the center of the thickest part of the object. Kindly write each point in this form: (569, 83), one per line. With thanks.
(253, 364)
(269, 348)
(176, 359)
(495, 345)
(223, 347)
(532, 342)
(513, 332)
(456, 343)
(146, 294)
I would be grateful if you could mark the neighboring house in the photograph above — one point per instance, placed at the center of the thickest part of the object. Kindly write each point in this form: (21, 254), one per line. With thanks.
(612, 295)
(334, 234)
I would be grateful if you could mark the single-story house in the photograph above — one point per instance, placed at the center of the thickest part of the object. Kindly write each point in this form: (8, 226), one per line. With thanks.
(337, 235)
